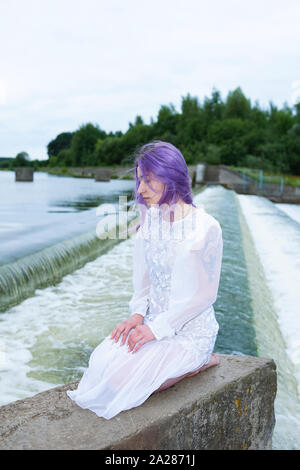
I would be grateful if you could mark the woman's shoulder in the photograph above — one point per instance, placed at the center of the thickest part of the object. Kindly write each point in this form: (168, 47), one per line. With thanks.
(193, 227)
(205, 219)
(206, 226)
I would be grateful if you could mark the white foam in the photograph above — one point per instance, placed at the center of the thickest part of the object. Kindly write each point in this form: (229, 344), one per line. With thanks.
(45, 332)
(277, 241)
(293, 210)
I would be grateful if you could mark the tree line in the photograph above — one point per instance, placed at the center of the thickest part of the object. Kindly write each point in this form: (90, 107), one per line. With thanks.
(231, 132)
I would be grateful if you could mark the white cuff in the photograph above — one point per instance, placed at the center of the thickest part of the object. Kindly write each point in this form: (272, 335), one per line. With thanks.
(160, 327)
(139, 306)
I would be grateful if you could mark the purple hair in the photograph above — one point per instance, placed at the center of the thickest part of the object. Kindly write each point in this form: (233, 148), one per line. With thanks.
(166, 163)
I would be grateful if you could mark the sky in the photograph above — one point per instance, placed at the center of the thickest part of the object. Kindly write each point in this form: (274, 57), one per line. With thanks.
(64, 63)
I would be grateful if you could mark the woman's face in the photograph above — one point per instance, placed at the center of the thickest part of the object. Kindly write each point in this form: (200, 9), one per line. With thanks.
(151, 197)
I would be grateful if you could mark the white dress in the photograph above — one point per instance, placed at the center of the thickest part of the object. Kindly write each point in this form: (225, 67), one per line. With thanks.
(176, 272)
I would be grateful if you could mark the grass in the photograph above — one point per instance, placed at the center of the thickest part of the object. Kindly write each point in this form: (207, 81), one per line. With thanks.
(269, 177)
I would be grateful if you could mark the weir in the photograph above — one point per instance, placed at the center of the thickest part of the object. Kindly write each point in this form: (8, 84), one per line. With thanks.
(271, 241)
(20, 279)
(226, 407)
(49, 337)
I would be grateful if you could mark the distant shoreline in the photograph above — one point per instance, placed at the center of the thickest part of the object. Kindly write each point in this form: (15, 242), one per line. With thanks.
(118, 172)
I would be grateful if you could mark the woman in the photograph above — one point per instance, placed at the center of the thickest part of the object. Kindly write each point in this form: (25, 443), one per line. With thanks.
(176, 270)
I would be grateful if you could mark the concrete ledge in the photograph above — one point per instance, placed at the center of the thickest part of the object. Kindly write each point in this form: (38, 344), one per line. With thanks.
(230, 406)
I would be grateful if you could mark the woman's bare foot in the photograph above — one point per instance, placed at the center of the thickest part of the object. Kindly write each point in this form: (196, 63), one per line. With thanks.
(214, 360)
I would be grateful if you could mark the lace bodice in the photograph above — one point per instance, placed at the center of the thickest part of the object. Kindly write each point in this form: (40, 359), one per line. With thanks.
(176, 269)
(161, 244)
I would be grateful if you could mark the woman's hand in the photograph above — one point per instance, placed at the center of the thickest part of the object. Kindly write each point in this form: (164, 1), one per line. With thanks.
(126, 325)
(140, 335)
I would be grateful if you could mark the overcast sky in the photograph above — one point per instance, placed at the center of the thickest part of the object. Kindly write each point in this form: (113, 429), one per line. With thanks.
(68, 62)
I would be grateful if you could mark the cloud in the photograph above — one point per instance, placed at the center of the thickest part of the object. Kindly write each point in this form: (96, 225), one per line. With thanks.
(69, 62)
(3, 93)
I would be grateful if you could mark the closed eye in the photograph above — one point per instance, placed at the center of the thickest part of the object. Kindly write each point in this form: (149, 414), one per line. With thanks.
(147, 180)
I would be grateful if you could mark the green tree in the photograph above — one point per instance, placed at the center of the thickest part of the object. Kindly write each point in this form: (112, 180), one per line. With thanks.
(292, 146)
(138, 120)
(228, 129)
(167, 119)
(191, 122)
(213, 155)
(280, 120)
(6, 163)
(257, 162)
(297, 112)
(234, 132)
(213, 109)
(64, 158)
(109, 151)
(136, 136)
(61, 142)
(53, 162)
(258, 116)
(237, 105)
(83, 143)
(230, 136)
(275, 152)
(193, 153)
(22, 159)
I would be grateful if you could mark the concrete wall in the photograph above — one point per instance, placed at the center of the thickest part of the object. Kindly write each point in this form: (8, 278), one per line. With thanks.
(229, 406)
(24, 174)
(231, 179)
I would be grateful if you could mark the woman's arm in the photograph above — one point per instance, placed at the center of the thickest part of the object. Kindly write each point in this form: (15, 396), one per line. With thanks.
(195, 281)
(139, 300)
(141, 280)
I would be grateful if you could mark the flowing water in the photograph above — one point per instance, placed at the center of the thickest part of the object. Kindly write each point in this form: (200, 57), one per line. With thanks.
(47, 338)
(48, 229)
(271, 240)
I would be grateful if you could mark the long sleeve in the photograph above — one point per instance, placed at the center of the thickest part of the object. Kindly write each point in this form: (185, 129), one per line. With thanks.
(194, 282)
(141, 280)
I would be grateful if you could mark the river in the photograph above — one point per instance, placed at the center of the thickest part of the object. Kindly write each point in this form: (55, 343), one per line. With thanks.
(48, 334)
